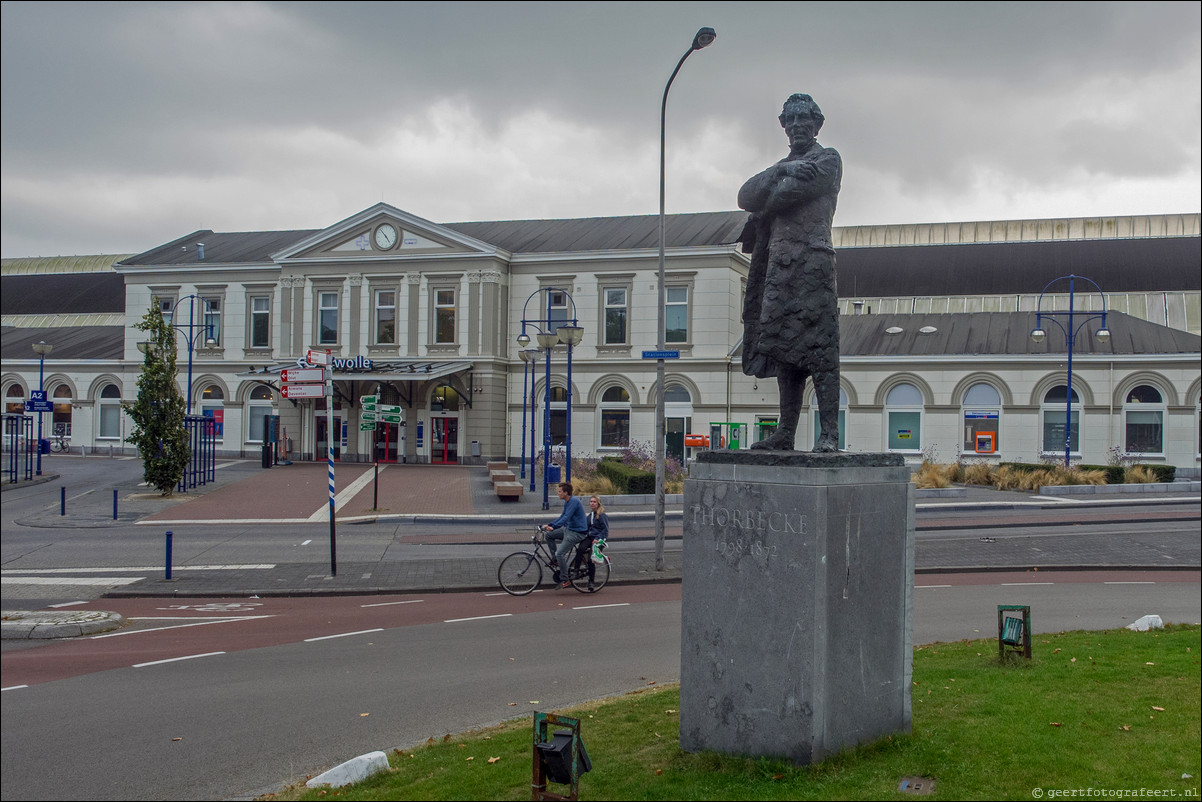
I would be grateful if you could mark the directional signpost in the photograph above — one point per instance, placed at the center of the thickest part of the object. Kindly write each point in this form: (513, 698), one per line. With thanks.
(302, 375)
(303, 390)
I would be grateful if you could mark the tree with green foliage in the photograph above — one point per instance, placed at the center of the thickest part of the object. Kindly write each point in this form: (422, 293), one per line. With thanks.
(158, 412)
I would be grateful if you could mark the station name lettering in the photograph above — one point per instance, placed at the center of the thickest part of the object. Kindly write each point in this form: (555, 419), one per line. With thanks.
(750, 520)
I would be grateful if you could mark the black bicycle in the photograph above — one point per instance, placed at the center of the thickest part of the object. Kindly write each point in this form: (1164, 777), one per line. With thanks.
(521, 572)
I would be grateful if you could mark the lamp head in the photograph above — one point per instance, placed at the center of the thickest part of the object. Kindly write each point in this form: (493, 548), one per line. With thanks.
(1103, 335)
(42, 348)
(523, 339)
(1038, 335)
(704, 38)
(547, 341)
(571, 335)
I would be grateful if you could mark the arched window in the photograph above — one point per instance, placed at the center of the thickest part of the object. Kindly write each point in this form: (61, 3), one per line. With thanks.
(981, 413)
(842, 420)
(212, 405)
(110, 413)
(14, 399)
(1143, 421)
(615, 418)
(61, 424)
(260, 406)
(445, 399)
(1053, 411)
(903, 416)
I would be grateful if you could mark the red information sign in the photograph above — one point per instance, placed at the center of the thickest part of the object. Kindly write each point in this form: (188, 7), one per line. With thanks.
(307, 390)
(302, 375)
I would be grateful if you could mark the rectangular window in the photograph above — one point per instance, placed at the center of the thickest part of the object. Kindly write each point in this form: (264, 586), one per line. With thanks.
(676, 314)
(1145, 432)
(110, 420)
(386, 317)
(444, 316)
(557, 310)
(257, 418)
(615, 428)
(327, 314)
(981, 431)
(211, 336)
(905, 432)
(1053, 431)
(615, 315)
(166, 305)
(260, 321)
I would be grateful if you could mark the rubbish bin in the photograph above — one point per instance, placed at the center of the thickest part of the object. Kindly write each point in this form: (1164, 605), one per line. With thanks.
(267, 455)
(475, 448)
(553, 474)
(43, 445)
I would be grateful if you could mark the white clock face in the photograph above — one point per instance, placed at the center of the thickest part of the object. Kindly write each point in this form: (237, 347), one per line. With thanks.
(385, 237)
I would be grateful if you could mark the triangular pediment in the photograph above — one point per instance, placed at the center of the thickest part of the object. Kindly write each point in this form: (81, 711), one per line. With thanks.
(385, 233)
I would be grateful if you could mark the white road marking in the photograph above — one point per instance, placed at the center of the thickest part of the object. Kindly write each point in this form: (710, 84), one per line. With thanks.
(14, 687)
(389, 604)
(1024, 584)
(345, 634)
(476, 618)
(932, 586)
(66, 604)
(88, 580)
(599, 606)
(307, 542)
(136, 568)
(176, 659)
(342, 498)
(178, 626)
(1129, 583)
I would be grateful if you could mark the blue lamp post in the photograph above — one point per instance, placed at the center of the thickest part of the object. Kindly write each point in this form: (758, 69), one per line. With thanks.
(1038, 335)
(550, 331)
(704, 38)
(192, 330)
(41, 349)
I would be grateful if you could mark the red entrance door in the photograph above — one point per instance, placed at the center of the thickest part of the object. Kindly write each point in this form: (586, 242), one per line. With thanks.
(387, 442)
(444, 447)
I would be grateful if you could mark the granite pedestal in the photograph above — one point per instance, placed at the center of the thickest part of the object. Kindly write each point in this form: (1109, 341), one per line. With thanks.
(797, 602)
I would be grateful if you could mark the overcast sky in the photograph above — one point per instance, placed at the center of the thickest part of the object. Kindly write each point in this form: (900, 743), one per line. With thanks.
(126, 125)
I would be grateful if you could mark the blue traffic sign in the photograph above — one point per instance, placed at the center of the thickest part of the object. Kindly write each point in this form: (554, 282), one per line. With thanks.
(661, 355)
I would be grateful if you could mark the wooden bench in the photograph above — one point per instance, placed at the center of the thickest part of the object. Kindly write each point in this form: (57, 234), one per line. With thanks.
(501, 476)
(497, 465)
(508, 490)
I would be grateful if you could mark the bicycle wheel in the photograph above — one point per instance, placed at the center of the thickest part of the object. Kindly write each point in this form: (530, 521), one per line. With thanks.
(520, 573)
(580, 575)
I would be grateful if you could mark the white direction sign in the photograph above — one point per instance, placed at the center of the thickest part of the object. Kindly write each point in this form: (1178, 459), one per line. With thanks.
(302, 375)
(317, 358)
(315, 390)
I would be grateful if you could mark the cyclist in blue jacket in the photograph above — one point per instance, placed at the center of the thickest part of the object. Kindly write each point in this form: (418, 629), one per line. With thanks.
(565, 532)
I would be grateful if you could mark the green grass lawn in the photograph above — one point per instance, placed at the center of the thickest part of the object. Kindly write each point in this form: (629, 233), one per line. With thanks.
(1113, 711)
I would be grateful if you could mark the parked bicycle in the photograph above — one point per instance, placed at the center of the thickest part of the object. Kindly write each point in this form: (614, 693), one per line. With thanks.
(521, 572)
(58, 442)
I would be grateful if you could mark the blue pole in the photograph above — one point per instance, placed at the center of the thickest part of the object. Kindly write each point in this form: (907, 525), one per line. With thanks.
(533, 425)
(168, 553)
(568, 462)
(42, 390)
(1068, 397)
(114, 505)
(547, 431)
(525, 373)
(62, 500)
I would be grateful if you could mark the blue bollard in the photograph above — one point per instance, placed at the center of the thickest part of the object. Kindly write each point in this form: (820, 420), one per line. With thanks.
(168, 553)
(114, 505)
(62, 501)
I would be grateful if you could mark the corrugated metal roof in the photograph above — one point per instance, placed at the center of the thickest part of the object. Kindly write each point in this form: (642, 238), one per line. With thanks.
(607, 233)
(88, 342)
(98, 263)
(62, 293)
(997, 333)
(236, 247)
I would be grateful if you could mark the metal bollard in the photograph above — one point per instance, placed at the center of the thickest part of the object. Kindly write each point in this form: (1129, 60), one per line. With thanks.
(114, 505)
(168, 553)
(62, 501)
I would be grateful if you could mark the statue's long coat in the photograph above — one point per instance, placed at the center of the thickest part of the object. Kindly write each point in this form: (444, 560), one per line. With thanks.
(791, 312)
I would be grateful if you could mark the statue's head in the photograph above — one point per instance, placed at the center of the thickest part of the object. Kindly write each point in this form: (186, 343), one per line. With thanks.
(801, 118)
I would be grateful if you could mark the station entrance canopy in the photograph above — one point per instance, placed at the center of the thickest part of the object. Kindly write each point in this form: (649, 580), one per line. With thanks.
(382, 370)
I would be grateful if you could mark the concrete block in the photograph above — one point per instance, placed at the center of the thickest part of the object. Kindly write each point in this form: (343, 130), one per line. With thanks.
(352, 771)
(796, 603)
(508, 490)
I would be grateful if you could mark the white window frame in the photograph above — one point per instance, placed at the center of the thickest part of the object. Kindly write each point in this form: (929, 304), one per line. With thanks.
(325, 307)
(684, 305)
(619, 407)
(974, 404)
(892, 407)
(1132, 408)
(608, 306)
(106, 407)
(379, 308)
(255, 315)
(256, 408)
(214, 404)
(440, 306)
(1056, 410)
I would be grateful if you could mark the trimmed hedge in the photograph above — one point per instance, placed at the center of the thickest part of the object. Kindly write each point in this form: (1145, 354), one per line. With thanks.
(1163, 473)
(1115, 474)
(627, 479)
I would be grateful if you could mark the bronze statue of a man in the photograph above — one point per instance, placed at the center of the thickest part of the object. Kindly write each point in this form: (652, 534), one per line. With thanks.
(791, 312)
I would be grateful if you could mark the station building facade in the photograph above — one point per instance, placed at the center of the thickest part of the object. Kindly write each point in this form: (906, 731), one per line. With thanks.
(937, 360)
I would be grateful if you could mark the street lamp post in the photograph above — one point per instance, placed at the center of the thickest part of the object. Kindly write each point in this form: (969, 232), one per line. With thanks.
(558, 331)
(41, 349)
(192, 334)
(704, 38)
(1038, 334)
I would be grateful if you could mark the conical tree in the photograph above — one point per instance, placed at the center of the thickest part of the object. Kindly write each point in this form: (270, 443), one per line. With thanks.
(158, 412)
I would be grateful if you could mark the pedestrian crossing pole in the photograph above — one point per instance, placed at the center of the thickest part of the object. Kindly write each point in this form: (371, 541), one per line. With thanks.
(315, 357)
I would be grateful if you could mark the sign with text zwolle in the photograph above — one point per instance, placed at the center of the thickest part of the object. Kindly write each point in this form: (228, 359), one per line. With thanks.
(313, 390)
(302, 375)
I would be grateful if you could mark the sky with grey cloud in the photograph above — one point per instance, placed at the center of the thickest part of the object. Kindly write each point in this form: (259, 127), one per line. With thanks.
(126, 125)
